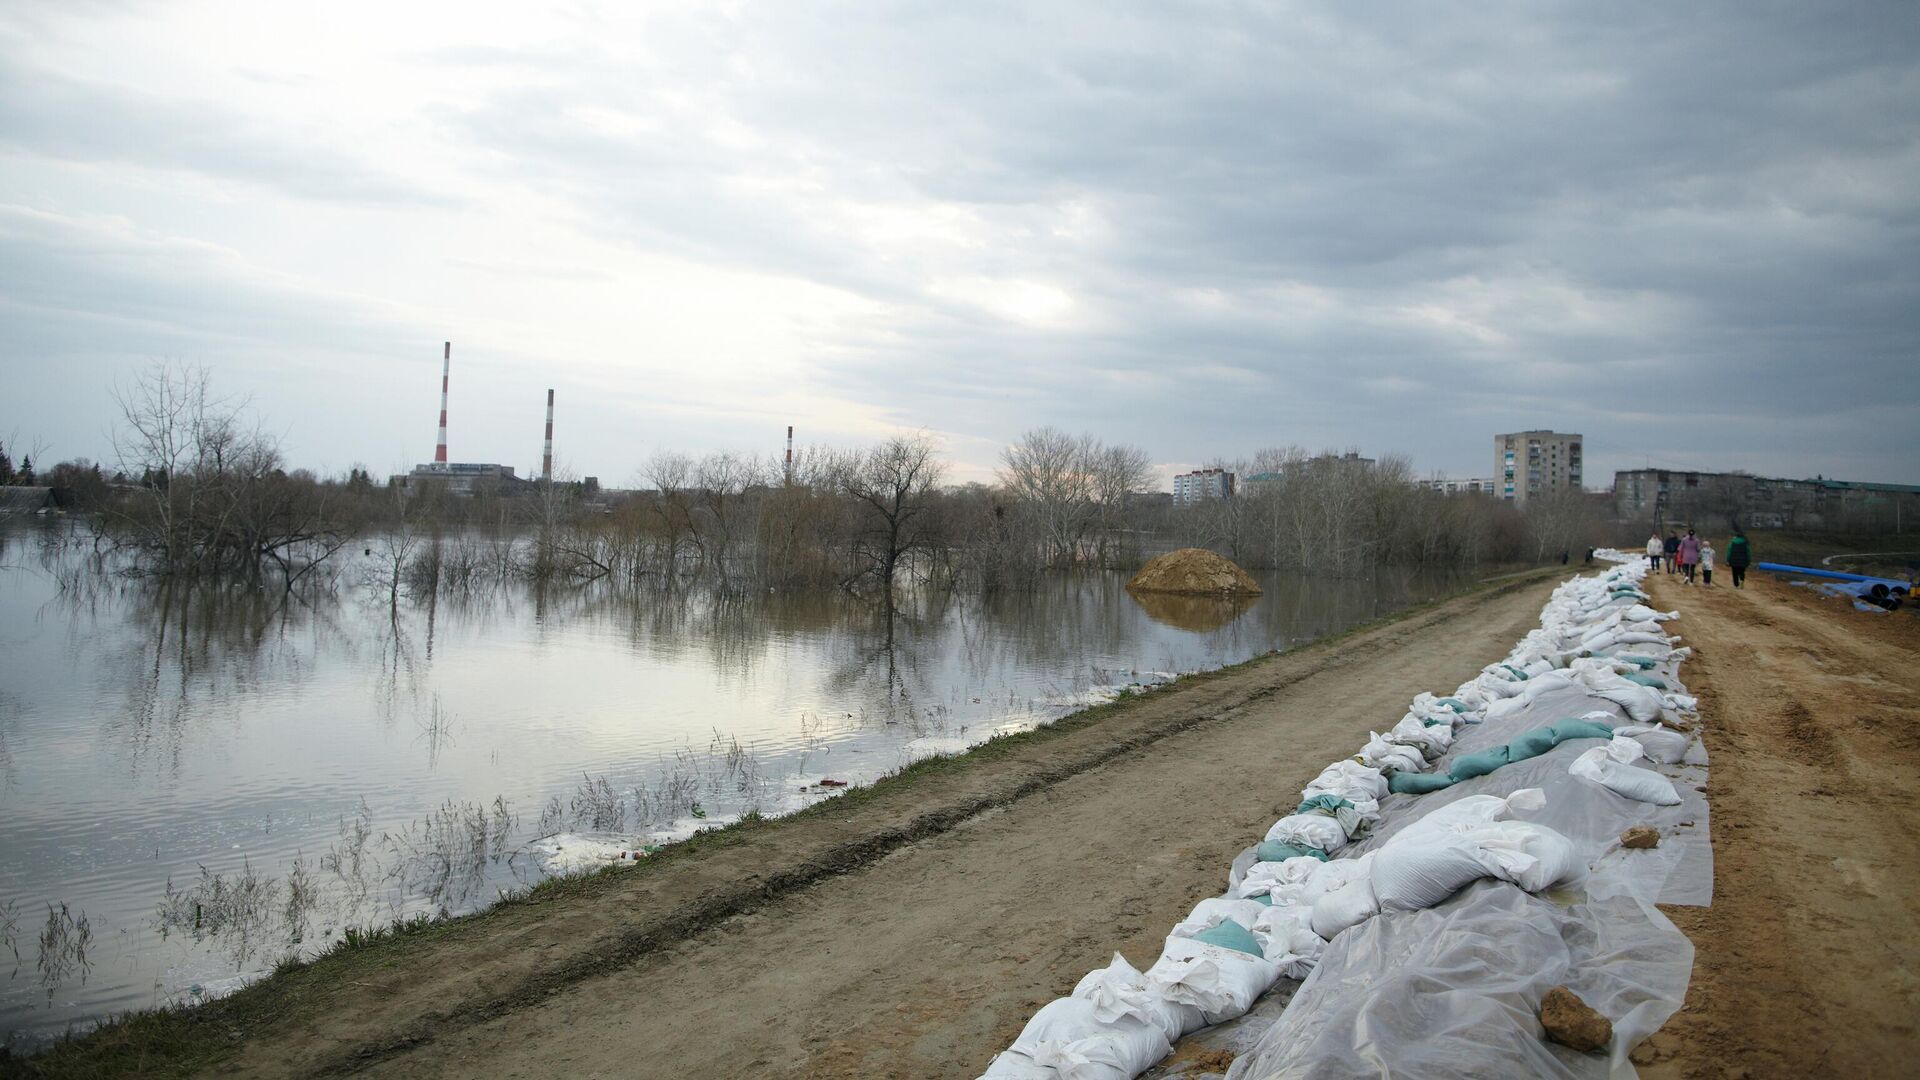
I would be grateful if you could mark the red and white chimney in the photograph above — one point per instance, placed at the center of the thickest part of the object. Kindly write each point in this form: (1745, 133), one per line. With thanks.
(789, 453)
(446, 370)
(546, 456)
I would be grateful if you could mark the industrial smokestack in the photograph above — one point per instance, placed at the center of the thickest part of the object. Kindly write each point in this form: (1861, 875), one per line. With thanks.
(546, 456)
(446, 370)
(789, 453)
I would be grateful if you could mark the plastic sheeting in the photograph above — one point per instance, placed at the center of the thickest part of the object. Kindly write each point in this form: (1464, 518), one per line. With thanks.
(1452, 988)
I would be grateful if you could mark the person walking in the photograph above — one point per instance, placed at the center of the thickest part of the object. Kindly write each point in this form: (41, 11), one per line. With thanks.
(1655, 549)
(1706, 563)
(1672, 550)
(1739, 555)
(1689, 555)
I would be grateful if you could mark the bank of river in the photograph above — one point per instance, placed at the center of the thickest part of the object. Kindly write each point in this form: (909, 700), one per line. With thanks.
(196, 786)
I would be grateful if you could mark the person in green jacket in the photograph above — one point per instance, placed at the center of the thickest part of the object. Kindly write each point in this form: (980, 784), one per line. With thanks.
(1739, 555)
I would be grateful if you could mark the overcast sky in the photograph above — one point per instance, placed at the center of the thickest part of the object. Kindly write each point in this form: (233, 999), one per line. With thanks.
(1690, 232)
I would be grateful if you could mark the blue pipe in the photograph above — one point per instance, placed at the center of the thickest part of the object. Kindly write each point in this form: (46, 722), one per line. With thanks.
(1783, 568)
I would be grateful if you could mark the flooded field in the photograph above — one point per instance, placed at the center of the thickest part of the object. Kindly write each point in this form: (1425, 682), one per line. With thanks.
(195, 785)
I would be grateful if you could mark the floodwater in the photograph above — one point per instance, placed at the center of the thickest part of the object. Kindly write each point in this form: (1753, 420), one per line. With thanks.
(194, 786)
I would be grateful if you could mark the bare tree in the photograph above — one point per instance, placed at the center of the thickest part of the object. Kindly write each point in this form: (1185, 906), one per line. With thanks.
(892, 483)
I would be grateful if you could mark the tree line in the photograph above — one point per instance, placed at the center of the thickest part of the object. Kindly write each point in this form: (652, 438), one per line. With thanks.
(204, 492)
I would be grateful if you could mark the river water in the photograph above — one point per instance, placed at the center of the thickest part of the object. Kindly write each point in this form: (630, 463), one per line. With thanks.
(196, 785)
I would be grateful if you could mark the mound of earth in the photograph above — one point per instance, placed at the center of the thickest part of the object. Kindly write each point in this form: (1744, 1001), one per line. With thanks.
(1195, 572)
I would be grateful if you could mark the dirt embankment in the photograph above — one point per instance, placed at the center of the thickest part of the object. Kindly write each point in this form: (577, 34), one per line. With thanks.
(905, 931)
(1808, 962)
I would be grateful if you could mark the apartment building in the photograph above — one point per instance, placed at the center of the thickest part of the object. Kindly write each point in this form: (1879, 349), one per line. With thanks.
(1535, 464)
(1202, 485)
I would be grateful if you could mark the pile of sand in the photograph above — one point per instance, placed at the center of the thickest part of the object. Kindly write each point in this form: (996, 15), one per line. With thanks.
(1194, 571)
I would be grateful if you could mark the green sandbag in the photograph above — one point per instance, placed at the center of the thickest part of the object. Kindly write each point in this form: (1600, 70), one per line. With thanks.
(1478, 764)
(1644, 679)
(1532, 744)
(1231, 935)
(1581, 729)
(1275, 851)
(1263, 900)
(1641, 662)
(1517, 673)
(1418, 783)
(1428, 721)
(1452, 703)
(1323, 804)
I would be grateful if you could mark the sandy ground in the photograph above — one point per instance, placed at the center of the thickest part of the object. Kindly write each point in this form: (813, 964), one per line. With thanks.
(914, 937)
(1808, 962)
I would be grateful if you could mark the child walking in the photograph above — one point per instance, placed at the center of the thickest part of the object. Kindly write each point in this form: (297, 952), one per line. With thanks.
(1706, 562)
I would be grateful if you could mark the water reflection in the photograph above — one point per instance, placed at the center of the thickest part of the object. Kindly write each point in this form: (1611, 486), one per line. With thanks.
(1200, 614)
(297, 765)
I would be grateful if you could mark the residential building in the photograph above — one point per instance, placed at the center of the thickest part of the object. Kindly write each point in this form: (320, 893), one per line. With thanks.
(1711, 499)
(1471, 486)
(1202, 485)
(1534, 464)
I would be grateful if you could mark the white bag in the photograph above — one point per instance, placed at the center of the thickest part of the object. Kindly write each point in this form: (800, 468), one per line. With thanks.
(1610, 766)
(1119, 989)
(1531, 856)
(1068, 1038)
(1291, 942)
(1350, 780)
(1222, 983)
(1348, 905)
(1273, 877)
(1210, 913)
(1415, 876)
(1662, 744)
(1309, 830)
(1332, 875)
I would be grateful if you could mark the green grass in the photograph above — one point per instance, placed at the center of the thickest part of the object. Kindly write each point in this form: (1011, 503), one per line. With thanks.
(176, 1041)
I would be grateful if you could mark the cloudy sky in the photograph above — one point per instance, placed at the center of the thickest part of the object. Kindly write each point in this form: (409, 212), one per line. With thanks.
(1689, 231)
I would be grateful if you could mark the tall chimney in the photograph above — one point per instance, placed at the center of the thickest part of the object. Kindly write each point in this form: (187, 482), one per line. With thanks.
(789, 453)
(546, 457)
(446, 370)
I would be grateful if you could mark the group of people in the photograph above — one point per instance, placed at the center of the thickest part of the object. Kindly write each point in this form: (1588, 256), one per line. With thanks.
(1689, 554)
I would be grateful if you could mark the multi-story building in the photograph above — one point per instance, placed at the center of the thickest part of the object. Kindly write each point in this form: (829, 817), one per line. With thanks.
(1534, 464)
(1677, 496)
(1202, 485)
(1473, 486)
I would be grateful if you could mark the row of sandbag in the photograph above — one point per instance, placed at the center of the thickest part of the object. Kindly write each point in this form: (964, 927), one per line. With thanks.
(1120, 1020)
(1449, 988)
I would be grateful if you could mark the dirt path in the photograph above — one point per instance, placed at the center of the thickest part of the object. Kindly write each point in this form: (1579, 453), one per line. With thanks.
(1808, 962)
(905, 931)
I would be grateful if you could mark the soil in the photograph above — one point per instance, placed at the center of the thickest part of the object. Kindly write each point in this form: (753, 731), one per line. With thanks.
(912, 935)
(1193, 572)
(1570, 1021)
(1808, 961)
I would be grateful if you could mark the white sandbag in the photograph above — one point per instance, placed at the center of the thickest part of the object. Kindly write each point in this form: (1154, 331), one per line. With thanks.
(1390, 756)
(1332, 875)
(1662, 744)
(1610, 767)
(1291, 943)
(1271, 878)
(1536, 669)
(1309, 830)
(1120, 989)
(1546, 684)
(1067, 1037)
(1531, 856)
(1506, 707)
(1348, 905)
(1222, 983)
(1014, 1065)
(1433, 739)
(1210, 913)
(1349, 780)
(1457, 817)
(1416, 876)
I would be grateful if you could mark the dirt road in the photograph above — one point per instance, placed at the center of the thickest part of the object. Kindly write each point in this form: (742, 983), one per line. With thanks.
(1808, 962)
(908, 931)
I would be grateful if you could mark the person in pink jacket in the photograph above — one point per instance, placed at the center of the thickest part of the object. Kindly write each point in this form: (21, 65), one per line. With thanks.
(1689, 554)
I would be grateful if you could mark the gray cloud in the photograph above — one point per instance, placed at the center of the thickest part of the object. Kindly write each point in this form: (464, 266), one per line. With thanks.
(1689, 232)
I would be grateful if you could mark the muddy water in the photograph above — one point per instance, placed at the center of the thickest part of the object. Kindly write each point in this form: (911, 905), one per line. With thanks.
(196, 784)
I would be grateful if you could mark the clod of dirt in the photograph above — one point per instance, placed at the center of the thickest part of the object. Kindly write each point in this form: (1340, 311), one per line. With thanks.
(1640, 836)
(1572, 1022)
(1194, 572)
